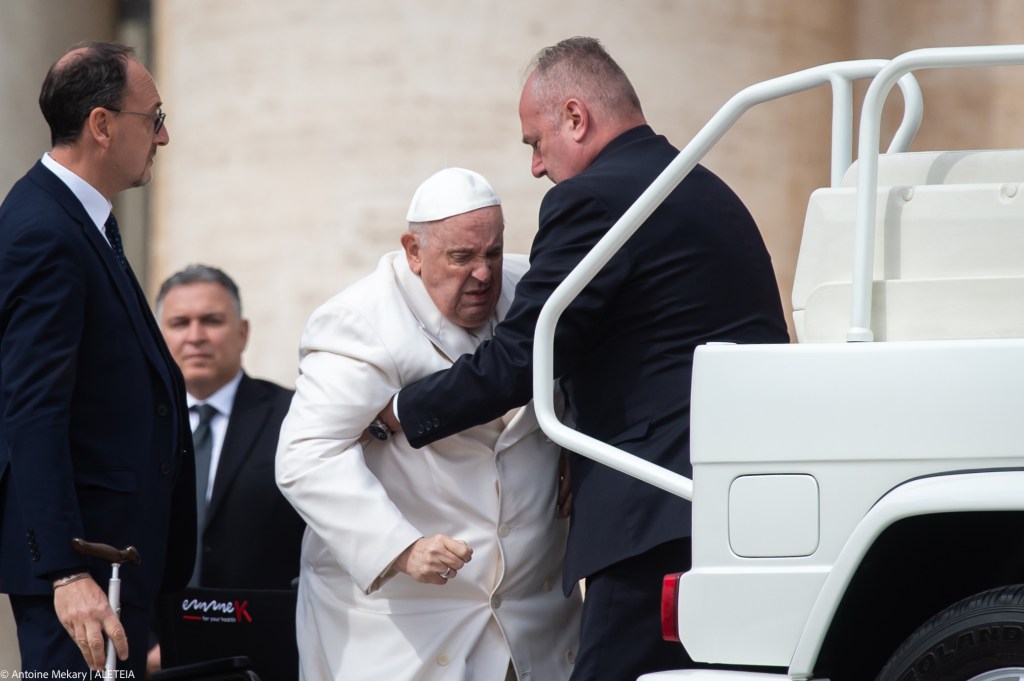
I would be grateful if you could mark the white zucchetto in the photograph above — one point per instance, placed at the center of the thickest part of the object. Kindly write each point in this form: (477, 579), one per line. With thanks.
(452, 191)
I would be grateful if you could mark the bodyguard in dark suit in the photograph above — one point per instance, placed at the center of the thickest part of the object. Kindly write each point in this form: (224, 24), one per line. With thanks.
(250, 536)
(696, 271)
(94, 439)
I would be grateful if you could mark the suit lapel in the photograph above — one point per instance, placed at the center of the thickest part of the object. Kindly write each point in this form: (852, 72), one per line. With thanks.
(522, 421)
(127, 286)
(519, 423)
(135, 304)
(249, 415)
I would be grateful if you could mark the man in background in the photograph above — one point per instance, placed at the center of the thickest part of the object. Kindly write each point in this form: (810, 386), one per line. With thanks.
(249, 535)
(94, 438)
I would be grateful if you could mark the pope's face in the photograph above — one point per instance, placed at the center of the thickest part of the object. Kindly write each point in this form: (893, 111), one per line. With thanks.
(459, 259)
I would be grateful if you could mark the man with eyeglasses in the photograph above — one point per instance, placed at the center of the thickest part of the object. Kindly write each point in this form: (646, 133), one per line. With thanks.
(94, 433)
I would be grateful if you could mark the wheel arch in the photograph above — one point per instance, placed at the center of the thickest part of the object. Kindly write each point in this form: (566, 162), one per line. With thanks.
(923, 546)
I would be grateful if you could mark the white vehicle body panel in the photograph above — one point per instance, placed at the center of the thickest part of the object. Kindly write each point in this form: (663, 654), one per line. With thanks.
(825, 411)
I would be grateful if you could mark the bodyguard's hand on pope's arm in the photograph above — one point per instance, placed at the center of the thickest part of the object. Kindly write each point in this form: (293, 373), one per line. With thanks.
(428, 558)
(83, 609)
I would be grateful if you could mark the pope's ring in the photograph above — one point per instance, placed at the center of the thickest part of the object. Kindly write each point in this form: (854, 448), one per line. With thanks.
(446, 574)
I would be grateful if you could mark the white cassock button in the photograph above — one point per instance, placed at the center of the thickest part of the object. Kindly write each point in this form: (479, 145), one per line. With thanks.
(503, 530)
(495, 602)
(443, 660)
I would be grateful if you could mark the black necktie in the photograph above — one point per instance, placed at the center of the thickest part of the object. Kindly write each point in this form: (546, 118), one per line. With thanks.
(114, 237)
(202, 439)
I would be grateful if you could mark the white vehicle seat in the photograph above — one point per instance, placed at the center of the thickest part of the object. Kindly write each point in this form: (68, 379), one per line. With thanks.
(949, 233)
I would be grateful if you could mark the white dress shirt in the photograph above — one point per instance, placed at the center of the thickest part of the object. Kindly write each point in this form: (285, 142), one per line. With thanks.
(95, 204)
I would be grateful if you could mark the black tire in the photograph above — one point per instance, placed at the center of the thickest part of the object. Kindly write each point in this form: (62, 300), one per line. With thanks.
(981, 637)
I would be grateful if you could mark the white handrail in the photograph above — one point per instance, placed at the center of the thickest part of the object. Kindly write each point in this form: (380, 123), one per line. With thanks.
(839, 75)
(842, 114)
(867, 172)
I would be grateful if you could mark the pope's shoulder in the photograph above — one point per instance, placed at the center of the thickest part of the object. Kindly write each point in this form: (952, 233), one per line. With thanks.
(371, 297)
(515, 265)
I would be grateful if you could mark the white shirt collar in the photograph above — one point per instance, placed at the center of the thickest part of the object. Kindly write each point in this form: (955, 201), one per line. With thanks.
(95, 204)
(222, 399)
(448, 337)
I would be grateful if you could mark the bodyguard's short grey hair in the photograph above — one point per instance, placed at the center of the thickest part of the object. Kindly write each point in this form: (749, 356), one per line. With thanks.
(581, 67)
(194, 274)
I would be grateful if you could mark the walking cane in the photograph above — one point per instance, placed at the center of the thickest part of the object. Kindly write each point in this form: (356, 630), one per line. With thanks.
(116, 558)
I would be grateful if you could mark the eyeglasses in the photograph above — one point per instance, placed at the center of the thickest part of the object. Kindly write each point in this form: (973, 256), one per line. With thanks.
(158, 117)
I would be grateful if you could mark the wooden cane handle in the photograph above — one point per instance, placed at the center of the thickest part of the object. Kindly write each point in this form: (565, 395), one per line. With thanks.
(128, 554)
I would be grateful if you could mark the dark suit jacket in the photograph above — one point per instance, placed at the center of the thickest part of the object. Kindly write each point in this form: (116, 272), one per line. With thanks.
(94, 436)
(696, 271)
(253, 536)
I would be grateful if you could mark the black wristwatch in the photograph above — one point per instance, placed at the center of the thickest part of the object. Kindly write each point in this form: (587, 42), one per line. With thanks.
(379, 429)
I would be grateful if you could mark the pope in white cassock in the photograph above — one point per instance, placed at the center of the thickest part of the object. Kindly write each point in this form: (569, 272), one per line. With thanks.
(443, 562)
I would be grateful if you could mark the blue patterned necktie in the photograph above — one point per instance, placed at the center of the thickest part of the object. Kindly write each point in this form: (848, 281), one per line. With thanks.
(114, 237)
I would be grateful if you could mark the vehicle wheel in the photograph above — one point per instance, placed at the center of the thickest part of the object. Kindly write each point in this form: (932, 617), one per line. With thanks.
(981, 638)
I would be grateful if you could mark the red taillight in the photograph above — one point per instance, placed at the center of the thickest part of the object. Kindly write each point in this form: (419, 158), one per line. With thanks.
(670, 607)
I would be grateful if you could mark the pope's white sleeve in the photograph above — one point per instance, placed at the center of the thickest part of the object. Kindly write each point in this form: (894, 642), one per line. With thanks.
(346, 376)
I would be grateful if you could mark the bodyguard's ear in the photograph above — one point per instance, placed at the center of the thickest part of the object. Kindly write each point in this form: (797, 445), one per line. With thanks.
(577, 117)
(411, 245)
